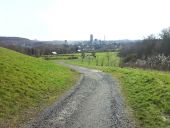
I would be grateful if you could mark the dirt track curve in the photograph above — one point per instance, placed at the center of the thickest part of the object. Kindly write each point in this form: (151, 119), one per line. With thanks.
(95, 102)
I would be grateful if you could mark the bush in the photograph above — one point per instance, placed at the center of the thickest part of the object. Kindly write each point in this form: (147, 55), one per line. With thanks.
(73, 57)
(130, 58)
(160, 61)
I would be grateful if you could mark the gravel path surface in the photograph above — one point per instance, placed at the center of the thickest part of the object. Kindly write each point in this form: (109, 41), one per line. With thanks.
(95, 102)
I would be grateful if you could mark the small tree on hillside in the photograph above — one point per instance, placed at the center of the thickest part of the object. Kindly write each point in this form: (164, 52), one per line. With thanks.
(93, 54)
(108, 58)
(102, 62)
(82, 55)
(97, 61)
(89, 59)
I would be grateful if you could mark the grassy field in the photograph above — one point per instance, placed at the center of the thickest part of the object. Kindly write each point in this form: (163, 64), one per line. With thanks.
(146, 91)
(101, 59)
(28, 84)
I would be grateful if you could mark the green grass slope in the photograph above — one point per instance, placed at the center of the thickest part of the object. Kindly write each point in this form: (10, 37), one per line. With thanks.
(28, 84)
(146, 91)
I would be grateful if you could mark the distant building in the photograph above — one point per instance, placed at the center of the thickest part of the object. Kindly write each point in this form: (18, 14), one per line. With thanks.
(54, 53)
(65, 42)
(91, 38)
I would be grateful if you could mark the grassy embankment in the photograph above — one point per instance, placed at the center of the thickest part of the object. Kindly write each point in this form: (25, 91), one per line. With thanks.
(146, 91)
(28, 84)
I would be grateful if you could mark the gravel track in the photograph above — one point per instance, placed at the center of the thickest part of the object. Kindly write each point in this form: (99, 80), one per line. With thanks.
(95, 102)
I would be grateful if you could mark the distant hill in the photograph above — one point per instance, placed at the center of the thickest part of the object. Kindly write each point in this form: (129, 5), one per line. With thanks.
(27, 84)
(16, 41)
(24, 42)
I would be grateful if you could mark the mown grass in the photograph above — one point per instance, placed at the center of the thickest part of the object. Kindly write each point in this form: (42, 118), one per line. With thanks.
(29, 84)
(146, 91)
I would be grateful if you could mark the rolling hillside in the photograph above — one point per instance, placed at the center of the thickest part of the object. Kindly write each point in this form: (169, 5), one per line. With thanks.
(28, 84)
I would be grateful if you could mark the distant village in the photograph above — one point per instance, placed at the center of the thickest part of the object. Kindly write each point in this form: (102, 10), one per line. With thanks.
(38, 48)
(97, 45)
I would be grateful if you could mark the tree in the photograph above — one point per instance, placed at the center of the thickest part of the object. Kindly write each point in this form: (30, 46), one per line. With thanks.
(82, 55)
(165, 36)
(93, 54)
(108, 58)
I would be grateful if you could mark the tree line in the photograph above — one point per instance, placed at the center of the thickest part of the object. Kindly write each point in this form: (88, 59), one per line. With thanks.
(44, 49)
(151, 52)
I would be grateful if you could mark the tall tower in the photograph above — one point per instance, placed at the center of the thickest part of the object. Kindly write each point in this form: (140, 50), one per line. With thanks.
(91, 38)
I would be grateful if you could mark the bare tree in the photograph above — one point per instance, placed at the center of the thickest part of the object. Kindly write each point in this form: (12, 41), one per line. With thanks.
(82, 56)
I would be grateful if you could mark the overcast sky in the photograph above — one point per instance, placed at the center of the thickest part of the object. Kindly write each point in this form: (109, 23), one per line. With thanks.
(77, 19)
